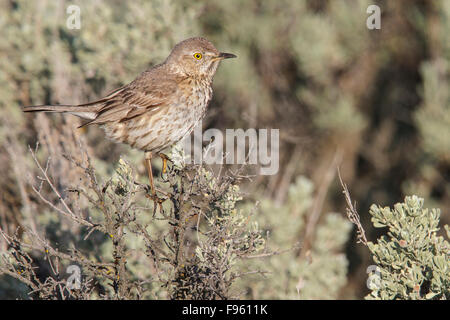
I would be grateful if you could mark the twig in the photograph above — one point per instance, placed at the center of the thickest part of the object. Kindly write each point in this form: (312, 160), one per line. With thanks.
(352, 214)
(68, 213)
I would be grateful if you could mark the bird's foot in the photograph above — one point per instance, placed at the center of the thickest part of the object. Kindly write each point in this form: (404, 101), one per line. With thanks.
(155, 198)
(153, 195)
(157, 202)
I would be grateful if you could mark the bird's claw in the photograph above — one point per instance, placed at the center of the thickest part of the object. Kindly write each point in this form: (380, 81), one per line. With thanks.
(152, 195)
(155, 198)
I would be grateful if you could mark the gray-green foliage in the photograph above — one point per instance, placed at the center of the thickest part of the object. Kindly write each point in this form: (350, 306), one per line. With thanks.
(434, 115)
(412, 260)
(43, 61)
(228, 235)
(187, 247)
(289, 36)
(198, 258)
(321, 272)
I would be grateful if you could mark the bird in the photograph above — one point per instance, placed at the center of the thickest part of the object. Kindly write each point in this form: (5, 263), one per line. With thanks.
(159, 107)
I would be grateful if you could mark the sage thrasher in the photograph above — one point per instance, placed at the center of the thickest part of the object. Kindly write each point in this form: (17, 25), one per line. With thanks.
(161, 106)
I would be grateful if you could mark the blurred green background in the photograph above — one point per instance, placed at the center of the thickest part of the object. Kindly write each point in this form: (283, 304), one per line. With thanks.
(374, 102)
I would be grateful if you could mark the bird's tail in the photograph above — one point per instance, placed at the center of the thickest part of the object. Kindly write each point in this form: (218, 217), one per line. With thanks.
(85, 112)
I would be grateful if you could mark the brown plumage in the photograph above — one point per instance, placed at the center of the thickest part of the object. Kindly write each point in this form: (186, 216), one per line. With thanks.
(161, 106)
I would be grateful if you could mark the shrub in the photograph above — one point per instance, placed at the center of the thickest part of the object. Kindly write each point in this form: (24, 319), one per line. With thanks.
(126, 246)
(412, 260)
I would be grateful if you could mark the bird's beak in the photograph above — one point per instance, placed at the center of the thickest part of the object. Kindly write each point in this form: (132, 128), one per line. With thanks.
(224, 55)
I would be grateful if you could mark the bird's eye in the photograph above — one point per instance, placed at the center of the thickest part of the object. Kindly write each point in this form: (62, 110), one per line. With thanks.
(198, 55)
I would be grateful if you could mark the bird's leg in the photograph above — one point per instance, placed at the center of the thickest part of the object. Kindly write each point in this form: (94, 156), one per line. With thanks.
(164, 159)
(148, 165)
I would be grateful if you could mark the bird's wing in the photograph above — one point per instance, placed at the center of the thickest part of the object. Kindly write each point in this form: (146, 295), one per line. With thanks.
(104, 99)
(134, 100)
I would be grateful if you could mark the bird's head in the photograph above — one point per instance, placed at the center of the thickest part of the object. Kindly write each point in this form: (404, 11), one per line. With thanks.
(196, 57)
